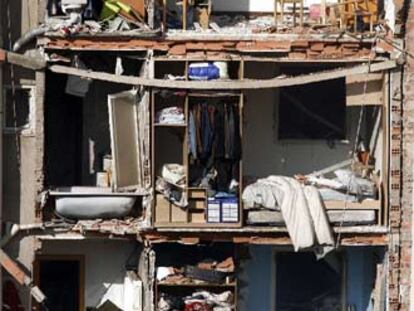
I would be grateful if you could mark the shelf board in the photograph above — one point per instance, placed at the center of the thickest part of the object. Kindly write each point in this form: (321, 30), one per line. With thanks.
(364, 205)
(196, 285)
(170, 125)
(173, 225)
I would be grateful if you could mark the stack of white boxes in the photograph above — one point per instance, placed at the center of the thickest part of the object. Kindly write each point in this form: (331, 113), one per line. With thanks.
(224, 210)
(213, 210)
(229, 210)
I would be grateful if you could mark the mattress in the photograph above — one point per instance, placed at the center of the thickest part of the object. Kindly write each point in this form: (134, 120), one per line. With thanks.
(346, 218)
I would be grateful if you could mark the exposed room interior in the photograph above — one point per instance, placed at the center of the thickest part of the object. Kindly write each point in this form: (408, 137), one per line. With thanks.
(78, 113)
(339, 124)
(350, 278)
(86, 280)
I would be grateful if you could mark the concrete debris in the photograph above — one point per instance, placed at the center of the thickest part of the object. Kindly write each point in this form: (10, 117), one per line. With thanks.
(116, 227)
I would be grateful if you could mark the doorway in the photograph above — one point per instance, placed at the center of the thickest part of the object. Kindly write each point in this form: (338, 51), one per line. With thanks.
(61, 278)
(304, 283)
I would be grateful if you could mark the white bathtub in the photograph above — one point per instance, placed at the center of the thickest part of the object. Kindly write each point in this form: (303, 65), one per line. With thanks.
(92, 203)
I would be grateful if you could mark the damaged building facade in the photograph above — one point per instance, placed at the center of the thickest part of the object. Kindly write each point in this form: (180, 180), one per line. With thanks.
(206, 155)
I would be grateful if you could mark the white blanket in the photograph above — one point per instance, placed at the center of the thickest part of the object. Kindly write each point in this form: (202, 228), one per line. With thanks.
(302, 209)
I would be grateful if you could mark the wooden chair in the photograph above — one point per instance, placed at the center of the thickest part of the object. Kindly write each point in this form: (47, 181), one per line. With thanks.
(282, 3)
(351, 10)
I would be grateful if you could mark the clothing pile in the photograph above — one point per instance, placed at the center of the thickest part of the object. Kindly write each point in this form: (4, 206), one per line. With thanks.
(208, 271)
(214, 146)
(301, 206)
(171, 115)
(172, 184)
(347, 186)
(198, 301)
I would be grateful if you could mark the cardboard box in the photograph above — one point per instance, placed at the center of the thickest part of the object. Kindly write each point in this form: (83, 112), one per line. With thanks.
(196, 204)
(107, 163)
(178, 214)
(162, 209)
(198, 217)
(197, 194)
(102, 179)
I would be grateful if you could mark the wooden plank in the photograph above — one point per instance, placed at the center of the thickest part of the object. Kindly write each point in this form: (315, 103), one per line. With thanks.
(197, 226)
(13, 269)
(216, 36)
(229, 85)
(379, 289)
(364, 205)
(267, 239)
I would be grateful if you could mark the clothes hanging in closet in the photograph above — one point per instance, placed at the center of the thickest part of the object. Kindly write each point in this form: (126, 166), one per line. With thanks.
(214, 142)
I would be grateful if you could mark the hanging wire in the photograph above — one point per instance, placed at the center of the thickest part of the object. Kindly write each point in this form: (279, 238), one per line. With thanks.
(354, 151)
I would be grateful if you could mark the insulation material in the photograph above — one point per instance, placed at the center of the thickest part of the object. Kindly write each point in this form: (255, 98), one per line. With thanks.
(132, 293)
(126, 296)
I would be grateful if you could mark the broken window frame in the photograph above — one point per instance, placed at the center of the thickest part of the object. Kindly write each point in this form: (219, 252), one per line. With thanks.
(28, 127)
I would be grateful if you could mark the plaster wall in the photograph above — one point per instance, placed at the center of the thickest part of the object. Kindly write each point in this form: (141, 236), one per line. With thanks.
(105, 266)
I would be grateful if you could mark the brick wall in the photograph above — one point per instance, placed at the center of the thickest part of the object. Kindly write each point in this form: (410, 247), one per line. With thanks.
(407, 166)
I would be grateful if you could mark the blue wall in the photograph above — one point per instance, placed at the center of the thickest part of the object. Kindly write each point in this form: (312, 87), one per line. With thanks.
(259, 271)
(361, 265)
(258, 291)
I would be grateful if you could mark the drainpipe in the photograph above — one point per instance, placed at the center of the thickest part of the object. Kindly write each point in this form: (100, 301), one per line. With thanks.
(5, 261)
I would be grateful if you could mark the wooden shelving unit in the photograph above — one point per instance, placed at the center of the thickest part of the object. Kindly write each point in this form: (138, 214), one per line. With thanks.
(165, 213)
(195, 215)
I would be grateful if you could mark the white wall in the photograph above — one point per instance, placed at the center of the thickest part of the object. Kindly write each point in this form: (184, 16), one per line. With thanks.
(104, 266)
(249, 5)
(264, 154)
(243, 5)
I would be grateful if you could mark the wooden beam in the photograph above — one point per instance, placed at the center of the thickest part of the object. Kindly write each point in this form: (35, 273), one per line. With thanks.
(259, 239)
(24, 61)
(13, 269)
(226, 85)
